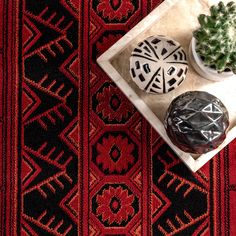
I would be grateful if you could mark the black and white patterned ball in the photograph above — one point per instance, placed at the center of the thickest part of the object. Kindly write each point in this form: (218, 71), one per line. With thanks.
(197, 122)
(158, 64)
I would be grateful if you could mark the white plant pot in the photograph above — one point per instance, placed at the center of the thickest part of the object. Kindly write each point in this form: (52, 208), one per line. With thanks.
(204, 71)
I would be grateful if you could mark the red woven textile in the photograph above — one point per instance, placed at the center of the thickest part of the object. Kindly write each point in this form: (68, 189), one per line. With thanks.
(76, 157)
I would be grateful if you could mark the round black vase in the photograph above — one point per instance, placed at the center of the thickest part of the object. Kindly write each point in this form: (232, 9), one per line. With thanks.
(196, 122)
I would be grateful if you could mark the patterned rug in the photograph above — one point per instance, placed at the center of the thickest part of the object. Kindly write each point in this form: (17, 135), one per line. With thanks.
(76, 157)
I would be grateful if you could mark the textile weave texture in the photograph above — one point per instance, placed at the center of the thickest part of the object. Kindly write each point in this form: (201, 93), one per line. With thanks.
(77, 158)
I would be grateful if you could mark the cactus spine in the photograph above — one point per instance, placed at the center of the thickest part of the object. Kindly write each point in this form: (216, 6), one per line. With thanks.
(216, 37)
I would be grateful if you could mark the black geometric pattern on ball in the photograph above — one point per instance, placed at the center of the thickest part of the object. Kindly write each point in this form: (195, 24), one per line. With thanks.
(158, 64)
(196, 122)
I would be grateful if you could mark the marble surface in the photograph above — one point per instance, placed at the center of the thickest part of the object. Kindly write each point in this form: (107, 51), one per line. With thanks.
(176, 19)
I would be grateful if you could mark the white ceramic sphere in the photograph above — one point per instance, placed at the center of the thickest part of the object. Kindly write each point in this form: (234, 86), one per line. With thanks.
(158, 64)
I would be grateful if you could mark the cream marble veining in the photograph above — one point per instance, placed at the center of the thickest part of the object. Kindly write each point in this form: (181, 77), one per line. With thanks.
(176, 19)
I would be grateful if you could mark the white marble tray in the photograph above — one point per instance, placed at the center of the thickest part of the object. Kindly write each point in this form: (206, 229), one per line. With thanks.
(177, 19)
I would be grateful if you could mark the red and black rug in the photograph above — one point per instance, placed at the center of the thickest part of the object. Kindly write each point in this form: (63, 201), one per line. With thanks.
(76, 157)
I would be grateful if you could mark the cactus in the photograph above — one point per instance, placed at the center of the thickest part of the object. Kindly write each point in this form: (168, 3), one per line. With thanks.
(216, 37)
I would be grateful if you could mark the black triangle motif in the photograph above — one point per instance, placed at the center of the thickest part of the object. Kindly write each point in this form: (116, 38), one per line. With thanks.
(47, 102)
(48, 35)
(47, 170)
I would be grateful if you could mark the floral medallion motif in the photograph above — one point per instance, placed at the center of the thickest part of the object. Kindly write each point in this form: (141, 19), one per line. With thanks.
(115, 205)
(115, 153)
(115, 10)
(111, 105)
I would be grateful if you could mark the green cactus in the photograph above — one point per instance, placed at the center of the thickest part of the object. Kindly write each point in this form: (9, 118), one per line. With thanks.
(216, 37)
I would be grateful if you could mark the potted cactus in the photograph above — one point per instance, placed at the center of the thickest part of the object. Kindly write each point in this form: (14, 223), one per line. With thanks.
(213, 46)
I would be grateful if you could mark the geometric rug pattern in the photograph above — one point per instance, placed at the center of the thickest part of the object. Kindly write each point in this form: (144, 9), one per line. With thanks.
(77, 158)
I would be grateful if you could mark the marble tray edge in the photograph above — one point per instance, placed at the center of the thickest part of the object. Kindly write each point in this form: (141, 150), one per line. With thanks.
(104, 62)
(136, 30)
